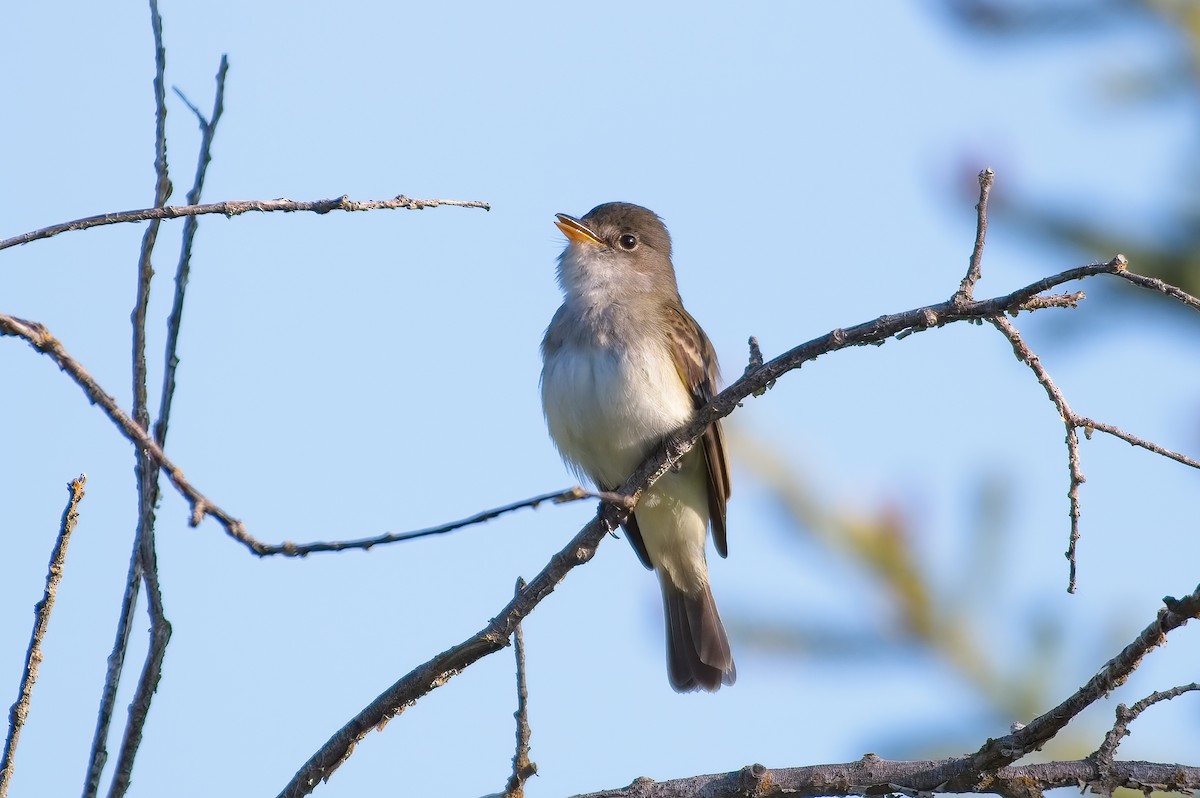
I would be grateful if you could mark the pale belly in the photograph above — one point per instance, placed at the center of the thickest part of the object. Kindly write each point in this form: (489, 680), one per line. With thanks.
(606, 413)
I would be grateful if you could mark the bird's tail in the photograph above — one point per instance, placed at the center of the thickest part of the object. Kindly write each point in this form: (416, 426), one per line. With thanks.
(698, 656)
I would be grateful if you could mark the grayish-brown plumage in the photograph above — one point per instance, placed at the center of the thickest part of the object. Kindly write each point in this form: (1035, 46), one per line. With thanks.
(624, 365)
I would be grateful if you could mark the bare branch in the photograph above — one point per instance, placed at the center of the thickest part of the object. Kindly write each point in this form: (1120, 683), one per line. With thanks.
(1026, 356)
(987, 771)
(1154, 284)
(874, 776)
(41, 612)
(236, 208)
(1089, 424)
(43, 341)
(523, 769)
(966, 289)
(145, 469)
(440, 669)
(208, 128)
(1126, 715)
(98, 755)
(753, 382)
(962, 774)
(559, 497)
(1073, 421)
(967, 771)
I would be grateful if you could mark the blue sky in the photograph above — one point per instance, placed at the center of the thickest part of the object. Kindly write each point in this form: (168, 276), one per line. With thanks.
(348, 375)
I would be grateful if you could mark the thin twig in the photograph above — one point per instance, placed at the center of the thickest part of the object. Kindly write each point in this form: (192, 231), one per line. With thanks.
(145, 469)
(43, 341)
(238, 207)
(966, 289)
(1073, 421)
(1154, 284)
(208, 128)
(523, 769)
(1075, 470)
(1127, 715)
(1088, 425)
(41, 622)
(98, 755)
(366, 544)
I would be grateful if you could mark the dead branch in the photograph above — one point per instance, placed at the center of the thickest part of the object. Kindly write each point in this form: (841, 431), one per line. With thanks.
(874, 776)
(41, 612)
(231, 208)
(523, 768)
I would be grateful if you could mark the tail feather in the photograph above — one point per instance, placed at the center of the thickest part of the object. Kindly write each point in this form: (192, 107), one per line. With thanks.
(698, 655)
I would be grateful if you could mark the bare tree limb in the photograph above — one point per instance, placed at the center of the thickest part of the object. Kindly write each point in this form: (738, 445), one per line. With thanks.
(874, 776)
(231, 208)
(1006, 750)
(41, 612)
(437, 671)
(754, 382)
(523, 769)
(988, 770)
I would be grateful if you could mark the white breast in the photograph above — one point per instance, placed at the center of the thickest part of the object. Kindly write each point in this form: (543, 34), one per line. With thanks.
(606, 411)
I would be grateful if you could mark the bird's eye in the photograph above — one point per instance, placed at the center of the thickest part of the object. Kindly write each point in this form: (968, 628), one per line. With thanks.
(628, 241)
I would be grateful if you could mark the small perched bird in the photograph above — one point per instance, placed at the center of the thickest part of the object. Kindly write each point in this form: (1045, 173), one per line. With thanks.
(623, 367)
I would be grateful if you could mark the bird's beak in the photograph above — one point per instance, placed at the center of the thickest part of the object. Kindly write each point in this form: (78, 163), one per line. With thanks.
(576, 230)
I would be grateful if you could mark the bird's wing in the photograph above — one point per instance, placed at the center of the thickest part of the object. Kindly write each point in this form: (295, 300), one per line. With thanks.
(696, 362)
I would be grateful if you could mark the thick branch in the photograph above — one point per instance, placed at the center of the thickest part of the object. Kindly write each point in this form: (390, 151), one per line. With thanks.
(238, 207)
(966, 772)
(874, 776)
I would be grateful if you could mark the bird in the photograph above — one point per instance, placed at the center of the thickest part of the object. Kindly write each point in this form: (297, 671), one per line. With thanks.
(624, 366)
